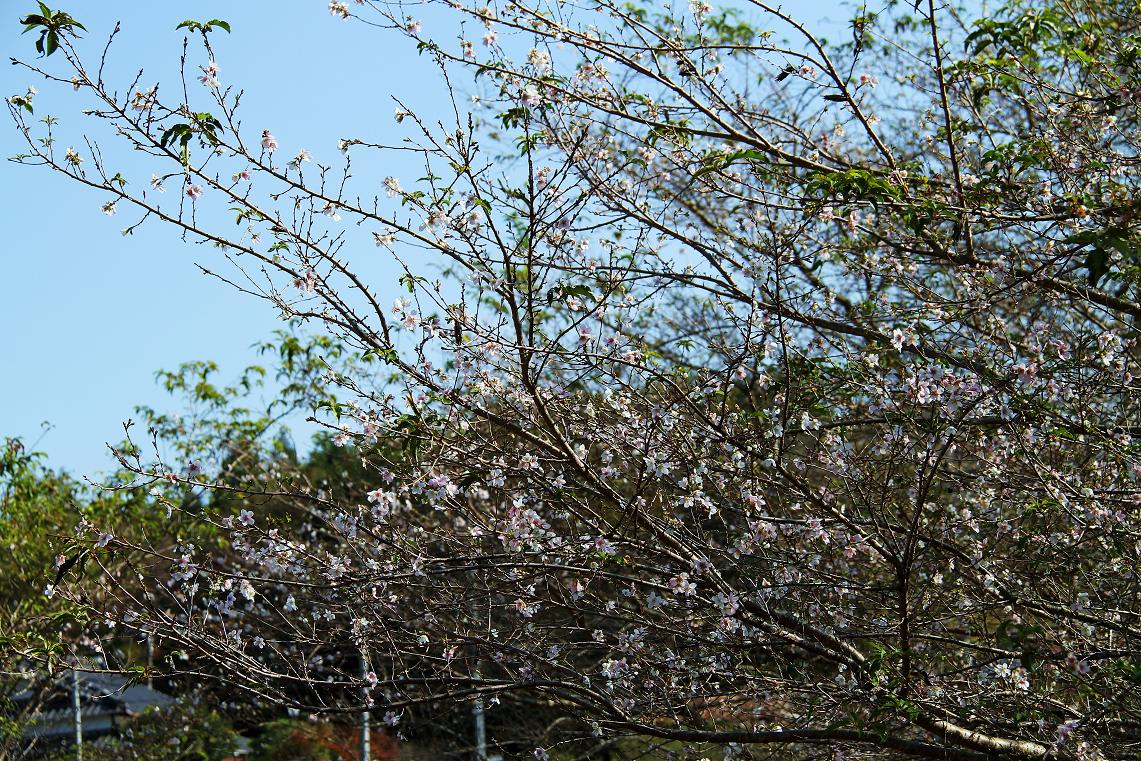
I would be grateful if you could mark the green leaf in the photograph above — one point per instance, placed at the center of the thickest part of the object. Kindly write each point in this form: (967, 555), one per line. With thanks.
(177, 131)
(1097, 262)
(720, 161)
(1084, 238)
(220, 24)
(1102, 242)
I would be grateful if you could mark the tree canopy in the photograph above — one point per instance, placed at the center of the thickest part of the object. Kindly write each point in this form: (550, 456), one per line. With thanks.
(742, 391)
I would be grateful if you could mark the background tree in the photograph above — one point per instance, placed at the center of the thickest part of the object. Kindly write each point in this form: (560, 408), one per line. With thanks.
(745, 391)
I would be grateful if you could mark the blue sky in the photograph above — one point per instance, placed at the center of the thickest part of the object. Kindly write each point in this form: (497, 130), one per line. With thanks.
(88, 315)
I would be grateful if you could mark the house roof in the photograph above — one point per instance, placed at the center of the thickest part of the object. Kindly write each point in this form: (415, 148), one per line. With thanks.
(102, 697)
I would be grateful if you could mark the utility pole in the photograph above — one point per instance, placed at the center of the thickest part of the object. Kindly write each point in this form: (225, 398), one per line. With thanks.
(477, 707)
(150, 659)
(366, 739)
(480, 730)
(78, 714)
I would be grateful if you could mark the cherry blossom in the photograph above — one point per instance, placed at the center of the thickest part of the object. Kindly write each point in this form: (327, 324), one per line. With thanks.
(739, 388)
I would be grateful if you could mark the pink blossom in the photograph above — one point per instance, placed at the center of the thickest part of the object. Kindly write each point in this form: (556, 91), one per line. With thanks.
(530, 96)
(209, 75)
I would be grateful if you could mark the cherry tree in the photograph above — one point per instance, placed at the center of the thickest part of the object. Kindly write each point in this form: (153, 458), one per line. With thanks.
(741, 393)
